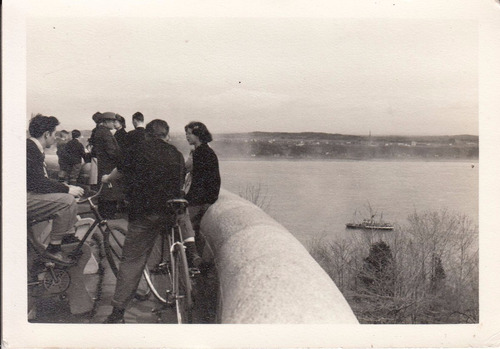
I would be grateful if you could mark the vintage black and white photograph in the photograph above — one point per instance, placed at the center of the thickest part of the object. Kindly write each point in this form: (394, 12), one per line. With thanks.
(192, 170)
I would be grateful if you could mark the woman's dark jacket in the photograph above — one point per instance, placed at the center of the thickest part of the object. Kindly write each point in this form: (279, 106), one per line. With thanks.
(206, 180)
(121, 138)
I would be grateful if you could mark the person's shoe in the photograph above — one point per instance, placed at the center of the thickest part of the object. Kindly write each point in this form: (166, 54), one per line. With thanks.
(70, 239)
(114, 320)
(57, 256)
(116, 317)
(193, 258)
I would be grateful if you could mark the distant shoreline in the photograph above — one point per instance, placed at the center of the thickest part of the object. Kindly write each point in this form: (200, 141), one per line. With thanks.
(270, 158)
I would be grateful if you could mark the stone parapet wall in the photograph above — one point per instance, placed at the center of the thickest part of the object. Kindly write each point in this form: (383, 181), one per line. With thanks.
(266, 276)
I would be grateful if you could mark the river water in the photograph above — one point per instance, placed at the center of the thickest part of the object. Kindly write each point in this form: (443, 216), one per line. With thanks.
(317, 198)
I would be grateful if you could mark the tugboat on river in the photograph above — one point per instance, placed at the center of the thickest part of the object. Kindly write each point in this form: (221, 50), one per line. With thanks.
(370, 224)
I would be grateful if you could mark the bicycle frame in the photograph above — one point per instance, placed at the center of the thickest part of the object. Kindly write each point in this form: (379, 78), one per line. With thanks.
(172, 239)
(170, 280)
(54, 269)
(99, 221)
(172, 242)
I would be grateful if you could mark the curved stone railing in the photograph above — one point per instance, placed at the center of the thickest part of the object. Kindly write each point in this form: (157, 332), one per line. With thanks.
(265, 274)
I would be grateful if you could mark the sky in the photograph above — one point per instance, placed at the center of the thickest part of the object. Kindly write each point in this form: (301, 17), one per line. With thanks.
(335, 75)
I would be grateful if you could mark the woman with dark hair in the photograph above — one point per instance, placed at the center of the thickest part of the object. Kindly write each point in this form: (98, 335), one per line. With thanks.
(121, 137)
(121, 134)
(205, 177)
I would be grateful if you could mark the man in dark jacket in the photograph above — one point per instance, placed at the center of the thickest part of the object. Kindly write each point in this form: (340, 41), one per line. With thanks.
(108, 156)
(48, 198)
(138, 135)
(156, 172)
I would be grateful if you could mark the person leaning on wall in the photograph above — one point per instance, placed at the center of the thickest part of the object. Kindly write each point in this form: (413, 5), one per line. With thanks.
(203, 167)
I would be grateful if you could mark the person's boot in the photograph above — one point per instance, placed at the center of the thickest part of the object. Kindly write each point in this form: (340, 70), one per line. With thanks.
(116, 316)
(193, 258)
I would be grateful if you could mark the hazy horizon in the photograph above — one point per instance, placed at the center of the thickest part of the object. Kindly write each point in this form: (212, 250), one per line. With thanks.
(178, 133)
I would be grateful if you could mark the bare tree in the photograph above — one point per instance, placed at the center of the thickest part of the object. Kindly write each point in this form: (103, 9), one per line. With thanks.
(256, 194)
(434, 271)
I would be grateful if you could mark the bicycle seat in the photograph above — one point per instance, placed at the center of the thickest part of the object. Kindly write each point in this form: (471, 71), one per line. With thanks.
(178, 201)
(178, 204)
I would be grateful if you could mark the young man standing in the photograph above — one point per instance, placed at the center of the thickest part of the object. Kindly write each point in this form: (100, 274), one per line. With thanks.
(137, 135)
(75, 154)
(155, 170)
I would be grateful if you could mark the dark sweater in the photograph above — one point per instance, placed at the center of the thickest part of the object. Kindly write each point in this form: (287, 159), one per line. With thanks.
(75, 152)
(35, 174)
(154, 171)
(205, 184)
(136, 137)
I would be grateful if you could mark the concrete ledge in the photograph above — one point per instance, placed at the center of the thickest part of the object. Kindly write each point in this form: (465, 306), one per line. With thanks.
(266, 276)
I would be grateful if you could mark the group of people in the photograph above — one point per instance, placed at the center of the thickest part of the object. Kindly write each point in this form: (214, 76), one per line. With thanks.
(148, 169)
(109, 150)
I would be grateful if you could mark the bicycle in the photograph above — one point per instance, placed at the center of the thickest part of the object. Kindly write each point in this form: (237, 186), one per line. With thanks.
(167, 273)
(48, 278)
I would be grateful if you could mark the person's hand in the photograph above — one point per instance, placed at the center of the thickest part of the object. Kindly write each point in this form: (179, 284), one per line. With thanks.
(75, 191)
(105, 179)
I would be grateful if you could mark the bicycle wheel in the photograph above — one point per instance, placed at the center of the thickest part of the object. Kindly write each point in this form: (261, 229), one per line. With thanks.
(49, 286)
(182, 286)
(157, 271)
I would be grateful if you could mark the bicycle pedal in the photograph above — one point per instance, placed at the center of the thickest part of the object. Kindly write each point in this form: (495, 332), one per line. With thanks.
(49, 263)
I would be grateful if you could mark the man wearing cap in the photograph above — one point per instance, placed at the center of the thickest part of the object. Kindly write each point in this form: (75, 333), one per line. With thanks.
(108, 154)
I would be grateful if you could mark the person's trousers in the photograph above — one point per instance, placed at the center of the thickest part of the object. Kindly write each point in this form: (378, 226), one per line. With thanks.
(69, 173)
(139, 242)
(74, 173)
(59, 207)
(196, 214)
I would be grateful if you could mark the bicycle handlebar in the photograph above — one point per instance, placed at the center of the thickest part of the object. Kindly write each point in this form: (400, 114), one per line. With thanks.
(88, 198)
